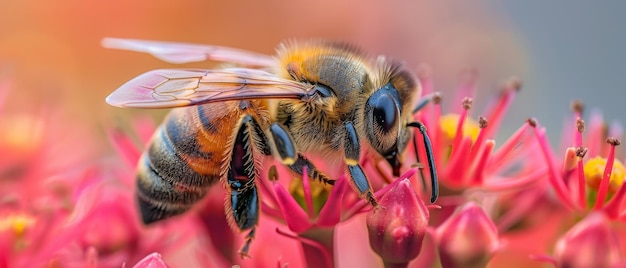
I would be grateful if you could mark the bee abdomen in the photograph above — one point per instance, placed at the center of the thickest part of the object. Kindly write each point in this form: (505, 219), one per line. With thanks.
(174, 173)
(161, 196)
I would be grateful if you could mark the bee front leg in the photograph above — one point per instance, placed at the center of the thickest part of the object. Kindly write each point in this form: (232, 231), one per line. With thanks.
(352, 151)
(286, 150)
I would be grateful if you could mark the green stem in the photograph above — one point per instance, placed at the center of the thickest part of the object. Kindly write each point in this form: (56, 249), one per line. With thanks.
(318, 247)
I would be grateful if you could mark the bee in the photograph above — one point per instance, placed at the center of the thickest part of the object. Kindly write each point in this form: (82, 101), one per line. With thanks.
(312, 97)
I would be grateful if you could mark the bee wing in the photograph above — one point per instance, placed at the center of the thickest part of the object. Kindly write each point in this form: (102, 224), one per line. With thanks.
(168, 88)
(173, 52)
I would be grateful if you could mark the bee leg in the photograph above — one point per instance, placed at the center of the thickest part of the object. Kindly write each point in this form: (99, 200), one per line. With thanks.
(243, 251)
(431, 160)
(284, 145)
(352, 151)
(240, 178)
(312, 172)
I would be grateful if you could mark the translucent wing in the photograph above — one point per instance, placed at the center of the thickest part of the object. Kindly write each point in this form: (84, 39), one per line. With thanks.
(168, 88)
(181, 52)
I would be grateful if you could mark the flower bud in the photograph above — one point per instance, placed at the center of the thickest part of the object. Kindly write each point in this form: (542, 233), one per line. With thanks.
(397, 227)
(590, 243)
(467, 239)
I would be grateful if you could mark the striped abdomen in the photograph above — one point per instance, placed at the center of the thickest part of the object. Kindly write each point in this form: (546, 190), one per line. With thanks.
(181, 162)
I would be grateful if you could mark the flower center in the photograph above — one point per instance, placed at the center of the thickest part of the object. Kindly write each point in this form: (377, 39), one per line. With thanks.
(594, 170)
(16, 223)
(319, 193)
(449, 122)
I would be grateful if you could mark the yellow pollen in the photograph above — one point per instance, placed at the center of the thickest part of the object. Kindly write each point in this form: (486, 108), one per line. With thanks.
(16, 223)
(449, 122)
(319, 193)
(594, 170)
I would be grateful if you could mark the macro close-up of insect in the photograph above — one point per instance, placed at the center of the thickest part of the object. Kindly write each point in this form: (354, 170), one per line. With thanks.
(321, 98)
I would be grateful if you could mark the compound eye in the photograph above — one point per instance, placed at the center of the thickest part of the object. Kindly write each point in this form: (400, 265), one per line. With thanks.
(385, 113)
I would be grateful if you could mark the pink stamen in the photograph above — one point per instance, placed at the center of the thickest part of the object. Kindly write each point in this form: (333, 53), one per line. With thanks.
(578, 135)
(613, 207)
(506, 98)
(467, 104)
(458, 165)
(330, 214)
(507, 184)
(297, 220)
(580, 153)
(555, 179)
(308, 198)
(500, 156)
(603, 189)
(309, 242)
(479, 144)
(480, 164)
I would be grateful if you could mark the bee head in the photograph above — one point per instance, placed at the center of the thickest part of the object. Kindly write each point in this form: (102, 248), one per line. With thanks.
(388, 110)
(384, 125)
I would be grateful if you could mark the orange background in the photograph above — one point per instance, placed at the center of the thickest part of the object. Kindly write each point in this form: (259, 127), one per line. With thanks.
(50, 50)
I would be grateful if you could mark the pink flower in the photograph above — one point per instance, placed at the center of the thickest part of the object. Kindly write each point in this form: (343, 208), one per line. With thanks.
(464, 148)
(590, 178)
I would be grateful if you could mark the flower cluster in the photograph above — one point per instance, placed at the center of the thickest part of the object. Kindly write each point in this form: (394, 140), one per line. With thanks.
(509, 205)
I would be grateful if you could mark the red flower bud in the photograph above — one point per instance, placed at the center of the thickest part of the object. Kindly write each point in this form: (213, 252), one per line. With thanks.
(468, 238)
(590, 243)
(397, 227)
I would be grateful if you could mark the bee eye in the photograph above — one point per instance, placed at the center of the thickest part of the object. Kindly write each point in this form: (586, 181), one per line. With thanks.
(384, 112)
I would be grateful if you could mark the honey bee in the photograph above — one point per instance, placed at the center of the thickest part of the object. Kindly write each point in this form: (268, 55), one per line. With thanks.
(313, 97)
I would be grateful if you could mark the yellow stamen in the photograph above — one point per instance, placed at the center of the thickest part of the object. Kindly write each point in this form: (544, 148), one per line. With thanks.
(594, 170)
(319, 192)
(449, 122)
(16, 223)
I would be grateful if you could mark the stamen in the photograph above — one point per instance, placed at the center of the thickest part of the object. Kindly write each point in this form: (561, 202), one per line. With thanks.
(478, 144)
(555, 179)
(467, 104)
(437, 98)
(613, 207)
(603, 189)
(578, 107)
(580, 127)
(481, 162)
(306, 188)
(425, 99)
(496, 114)
(580, 153)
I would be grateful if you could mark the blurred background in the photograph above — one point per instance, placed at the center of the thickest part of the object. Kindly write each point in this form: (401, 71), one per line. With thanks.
(50, 53)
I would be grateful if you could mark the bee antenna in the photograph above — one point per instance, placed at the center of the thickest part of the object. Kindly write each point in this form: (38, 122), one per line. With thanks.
(431, 160)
